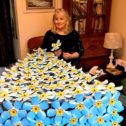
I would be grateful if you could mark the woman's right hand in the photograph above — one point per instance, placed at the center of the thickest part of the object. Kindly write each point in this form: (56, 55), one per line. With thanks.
(58, 52)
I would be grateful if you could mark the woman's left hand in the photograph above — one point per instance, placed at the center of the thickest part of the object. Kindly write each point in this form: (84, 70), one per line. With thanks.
(67, 55)
(58, 52)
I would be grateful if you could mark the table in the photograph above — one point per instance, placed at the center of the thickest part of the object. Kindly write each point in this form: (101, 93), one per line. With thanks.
(41, 90)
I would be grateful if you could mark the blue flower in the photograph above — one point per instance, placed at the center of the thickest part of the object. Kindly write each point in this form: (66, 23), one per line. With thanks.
(114, 103)
(14, 114)
(35, 110)
(100, 103)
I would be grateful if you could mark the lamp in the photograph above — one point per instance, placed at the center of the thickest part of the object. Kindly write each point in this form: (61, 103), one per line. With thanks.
(112, 41)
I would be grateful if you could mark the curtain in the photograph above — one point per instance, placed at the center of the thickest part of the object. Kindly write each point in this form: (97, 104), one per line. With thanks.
(6, 38)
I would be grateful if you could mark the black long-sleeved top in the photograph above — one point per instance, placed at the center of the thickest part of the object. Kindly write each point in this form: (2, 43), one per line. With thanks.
(70, 43)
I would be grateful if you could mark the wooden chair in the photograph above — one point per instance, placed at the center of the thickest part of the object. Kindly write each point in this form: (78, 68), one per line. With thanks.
(34, 43)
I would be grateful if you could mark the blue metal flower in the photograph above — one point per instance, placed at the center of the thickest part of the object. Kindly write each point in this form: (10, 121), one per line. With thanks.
(35, 112)
(100, 103)
(13, 114)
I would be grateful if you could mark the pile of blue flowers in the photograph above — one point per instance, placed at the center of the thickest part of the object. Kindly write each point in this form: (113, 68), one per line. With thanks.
(41, 90)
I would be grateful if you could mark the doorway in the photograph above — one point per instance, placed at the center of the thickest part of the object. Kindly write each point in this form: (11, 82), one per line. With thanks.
(7, 56)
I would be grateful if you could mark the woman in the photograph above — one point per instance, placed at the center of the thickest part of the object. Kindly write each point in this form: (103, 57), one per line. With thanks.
(64, 41)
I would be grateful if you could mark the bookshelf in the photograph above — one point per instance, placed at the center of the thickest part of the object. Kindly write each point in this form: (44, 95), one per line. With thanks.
(91, 19)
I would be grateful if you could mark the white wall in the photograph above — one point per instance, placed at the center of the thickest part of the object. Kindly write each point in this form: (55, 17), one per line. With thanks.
(31, 23)
(118, 22)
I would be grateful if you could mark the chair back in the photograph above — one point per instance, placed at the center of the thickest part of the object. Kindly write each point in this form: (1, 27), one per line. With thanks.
(34, 43)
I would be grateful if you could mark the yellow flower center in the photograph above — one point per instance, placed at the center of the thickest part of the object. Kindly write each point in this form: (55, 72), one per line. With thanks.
(52, 87)
(35, 109)
(31, 86)
(59, 112)
(24, 95)
(73, 121)
(60, 94)
(4, 94)
(78, 91)
(115, 124)
(100, 120)
(28, 75)
(57, 125)
(98, 104)
(89, 115)
(88, 78)
(83, 85)
(36, 89)
(43, 95)
(80, 75)
(2, 81)
(114, 112)
(97, 83)
(74, 70)
(19, 124)
(80, 106)
(16, 89)
(13, 112)
(110, 87)
(72, 83)
(64, 78)
(94, 89)
(112, 101)
(39, 124)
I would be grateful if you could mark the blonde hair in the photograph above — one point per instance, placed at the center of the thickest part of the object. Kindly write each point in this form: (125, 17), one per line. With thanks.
(68, 18)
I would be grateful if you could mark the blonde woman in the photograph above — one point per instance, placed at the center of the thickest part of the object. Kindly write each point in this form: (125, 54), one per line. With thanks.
(64, 41)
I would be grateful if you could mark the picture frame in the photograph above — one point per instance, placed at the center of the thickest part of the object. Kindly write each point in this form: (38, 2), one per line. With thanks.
(39, 5)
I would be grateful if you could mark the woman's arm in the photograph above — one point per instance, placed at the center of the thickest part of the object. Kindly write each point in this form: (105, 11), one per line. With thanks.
(68, 56)
(47, 41)
(78, 45)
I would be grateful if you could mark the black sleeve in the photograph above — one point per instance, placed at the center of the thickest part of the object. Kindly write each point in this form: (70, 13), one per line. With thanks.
(78, 43)
(48, 40)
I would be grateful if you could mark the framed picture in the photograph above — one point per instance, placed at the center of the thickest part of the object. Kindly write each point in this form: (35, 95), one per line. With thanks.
(39, 5)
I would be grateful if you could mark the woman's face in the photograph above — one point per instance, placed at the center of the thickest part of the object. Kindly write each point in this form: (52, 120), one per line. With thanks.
(60, 21)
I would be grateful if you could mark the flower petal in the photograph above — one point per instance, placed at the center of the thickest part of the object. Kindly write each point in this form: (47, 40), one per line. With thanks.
(98, 95)
(56, 104)
(82, 120)
(31, 116)
(79, 97)
(18, 104)
(51, 112)
(72, 104)
(27, 106)
(8, 123)
(65, 105)
(15, 119)
(25, 122)
(22, 113)
(57, 119)
(44, 105)
(5, 115)
(41, 115)
(35, 100)
(7, 105)
(88, 102)
(76, 113)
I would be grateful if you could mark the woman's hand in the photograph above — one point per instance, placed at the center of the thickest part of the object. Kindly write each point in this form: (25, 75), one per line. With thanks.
(58, 52)
(68, 56)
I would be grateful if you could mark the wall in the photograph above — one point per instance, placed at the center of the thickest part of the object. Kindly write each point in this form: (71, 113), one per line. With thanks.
(31, 23)
(118, 22)
(37, 23)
